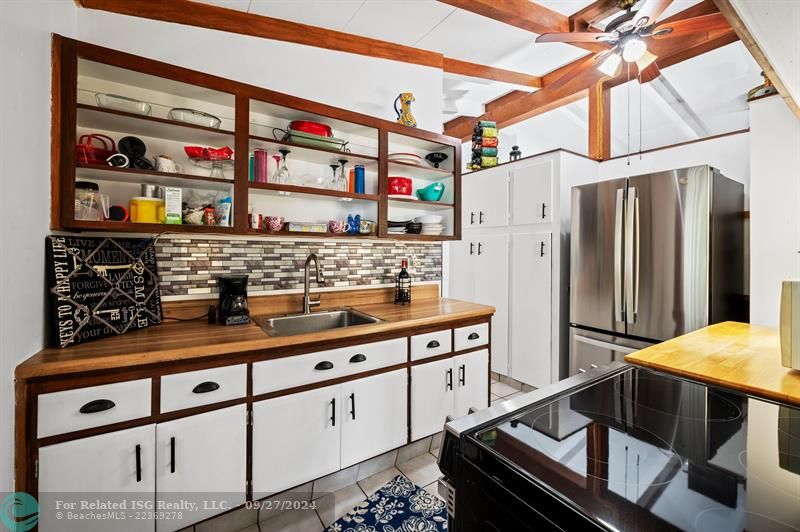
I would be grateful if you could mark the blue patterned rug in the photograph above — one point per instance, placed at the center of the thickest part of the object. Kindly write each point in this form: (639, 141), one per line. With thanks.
(399, 506)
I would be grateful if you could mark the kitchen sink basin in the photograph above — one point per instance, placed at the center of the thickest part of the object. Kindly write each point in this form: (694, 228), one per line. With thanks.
(291, 325)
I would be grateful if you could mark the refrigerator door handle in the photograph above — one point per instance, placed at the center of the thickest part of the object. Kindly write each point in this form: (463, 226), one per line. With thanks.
(618, 315)
(636, 248)
(630, 315)
(605, 345)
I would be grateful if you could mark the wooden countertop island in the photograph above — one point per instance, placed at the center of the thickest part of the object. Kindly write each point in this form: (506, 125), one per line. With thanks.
(734, 355)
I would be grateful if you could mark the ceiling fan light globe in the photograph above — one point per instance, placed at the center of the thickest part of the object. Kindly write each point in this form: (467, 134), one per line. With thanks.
(634, 49)
(645, 61)
(610, 66)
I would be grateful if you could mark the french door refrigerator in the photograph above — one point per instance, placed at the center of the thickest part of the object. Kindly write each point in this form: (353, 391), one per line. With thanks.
(653, 257)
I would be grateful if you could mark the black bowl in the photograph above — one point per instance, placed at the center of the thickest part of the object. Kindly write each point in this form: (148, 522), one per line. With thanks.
(436, 157)
(414, 227)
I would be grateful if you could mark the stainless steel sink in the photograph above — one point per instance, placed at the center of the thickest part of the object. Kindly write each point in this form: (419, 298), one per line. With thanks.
(291, 325)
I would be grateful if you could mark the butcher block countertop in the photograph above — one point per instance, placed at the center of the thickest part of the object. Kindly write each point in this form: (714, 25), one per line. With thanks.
(180, 341)
(734, 355)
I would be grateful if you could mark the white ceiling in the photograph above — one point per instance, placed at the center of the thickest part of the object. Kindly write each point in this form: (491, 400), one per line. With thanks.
(712, 85)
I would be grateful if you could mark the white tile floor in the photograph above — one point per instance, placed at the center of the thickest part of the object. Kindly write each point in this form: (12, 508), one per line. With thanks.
(420, 468)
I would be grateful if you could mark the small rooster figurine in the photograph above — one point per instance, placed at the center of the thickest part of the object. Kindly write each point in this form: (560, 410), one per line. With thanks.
(404, 115)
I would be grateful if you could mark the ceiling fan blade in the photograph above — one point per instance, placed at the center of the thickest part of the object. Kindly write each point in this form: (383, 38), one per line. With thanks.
(712, 22)
(649, 74)
(584, 36)
(648, 14)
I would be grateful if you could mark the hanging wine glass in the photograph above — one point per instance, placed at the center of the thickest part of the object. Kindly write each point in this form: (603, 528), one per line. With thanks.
(341, 184)
(277, 168)
(332, 184)
(282, 175)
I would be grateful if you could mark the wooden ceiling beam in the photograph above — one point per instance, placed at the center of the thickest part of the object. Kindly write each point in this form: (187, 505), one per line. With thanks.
(522, 14)
(234, 21)
(474, 70)
(599, 122)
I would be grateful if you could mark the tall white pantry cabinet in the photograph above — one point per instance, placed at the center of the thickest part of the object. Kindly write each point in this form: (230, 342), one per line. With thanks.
(514, 255)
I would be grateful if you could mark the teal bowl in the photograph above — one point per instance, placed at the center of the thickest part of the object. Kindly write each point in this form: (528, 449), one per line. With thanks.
(432, 192)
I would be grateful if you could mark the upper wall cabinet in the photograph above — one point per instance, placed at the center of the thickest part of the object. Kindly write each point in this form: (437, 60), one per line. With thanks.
(143, 146)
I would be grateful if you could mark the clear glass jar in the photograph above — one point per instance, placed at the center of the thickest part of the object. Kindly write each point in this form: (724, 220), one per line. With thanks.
(87, 201)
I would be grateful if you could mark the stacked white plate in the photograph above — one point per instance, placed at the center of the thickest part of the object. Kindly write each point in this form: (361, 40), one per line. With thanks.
(431, 224)
(407, 158)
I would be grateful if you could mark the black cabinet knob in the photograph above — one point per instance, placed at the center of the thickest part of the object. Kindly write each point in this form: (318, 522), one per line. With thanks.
(324, 365)
(433, 344)
(473, 336)
(205, 387)
(98, 405)
(358, 358)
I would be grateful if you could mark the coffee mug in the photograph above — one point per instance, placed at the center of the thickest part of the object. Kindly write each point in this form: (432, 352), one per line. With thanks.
(366, 226)
(273, 223)
(337, 226)
(162, 163)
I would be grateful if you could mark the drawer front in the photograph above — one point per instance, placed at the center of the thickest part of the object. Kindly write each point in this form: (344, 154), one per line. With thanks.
(203, 387)
(85, 408)
(472, 336)
(431, 344)
(288, 372)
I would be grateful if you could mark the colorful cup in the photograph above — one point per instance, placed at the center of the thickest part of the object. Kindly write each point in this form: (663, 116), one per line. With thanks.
(274, 223)
(366, 227)
(337, 226)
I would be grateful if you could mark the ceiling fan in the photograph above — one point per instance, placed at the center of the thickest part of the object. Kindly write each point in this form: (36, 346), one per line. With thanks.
(627, 36)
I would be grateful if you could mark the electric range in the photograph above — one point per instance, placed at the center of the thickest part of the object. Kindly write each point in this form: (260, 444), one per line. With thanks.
(624, 448)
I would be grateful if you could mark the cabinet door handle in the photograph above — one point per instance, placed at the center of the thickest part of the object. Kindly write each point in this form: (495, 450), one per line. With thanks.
(480, 248)
(205, 387)
(472, 248)
(358, 358)
(449, 385)
(172, 454)
(324, 365)
(353, 405)
(593, 366)
(480, 217)
(544, 206)
(462, 375)
(333, 412)
(98, 405)
(541, 249)
(471, 218)
(433, 344)
(473, 336)
(138, 463)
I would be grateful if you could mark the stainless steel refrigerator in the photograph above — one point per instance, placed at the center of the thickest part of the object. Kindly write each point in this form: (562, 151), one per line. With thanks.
(653, 257)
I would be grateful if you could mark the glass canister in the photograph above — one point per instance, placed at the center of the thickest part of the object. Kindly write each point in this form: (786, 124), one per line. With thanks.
(87, 201)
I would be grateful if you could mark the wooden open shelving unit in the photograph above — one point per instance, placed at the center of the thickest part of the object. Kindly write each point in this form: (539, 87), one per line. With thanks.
(250, 117)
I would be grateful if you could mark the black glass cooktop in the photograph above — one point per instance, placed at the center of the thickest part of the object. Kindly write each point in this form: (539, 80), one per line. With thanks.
(642, 450)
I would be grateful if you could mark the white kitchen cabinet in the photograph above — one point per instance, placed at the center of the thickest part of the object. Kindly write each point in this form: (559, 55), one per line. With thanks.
(531, 310)
(374, 416)
(531, 293)
(295, 439)
(485, 201)
(472, 381)
(432, 397)
(447, 388)
(119, 465)
(200, 455)
(491, 288)
(531, 193)
(480, 274)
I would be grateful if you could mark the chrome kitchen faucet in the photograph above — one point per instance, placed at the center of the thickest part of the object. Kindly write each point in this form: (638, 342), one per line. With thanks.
(307, 302)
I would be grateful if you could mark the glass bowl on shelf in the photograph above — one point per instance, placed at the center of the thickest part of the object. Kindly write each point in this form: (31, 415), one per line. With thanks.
(123, 103)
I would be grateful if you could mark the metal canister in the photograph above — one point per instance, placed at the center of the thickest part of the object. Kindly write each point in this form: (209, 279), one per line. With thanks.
(152, 191)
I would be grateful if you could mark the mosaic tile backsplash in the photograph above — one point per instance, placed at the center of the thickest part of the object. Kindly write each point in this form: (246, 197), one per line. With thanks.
(190, 266)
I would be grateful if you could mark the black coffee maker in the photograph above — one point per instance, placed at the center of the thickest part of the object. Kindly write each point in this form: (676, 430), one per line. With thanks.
(233, 300)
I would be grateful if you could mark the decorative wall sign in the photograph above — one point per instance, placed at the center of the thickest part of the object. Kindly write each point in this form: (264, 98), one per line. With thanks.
(100, 287)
